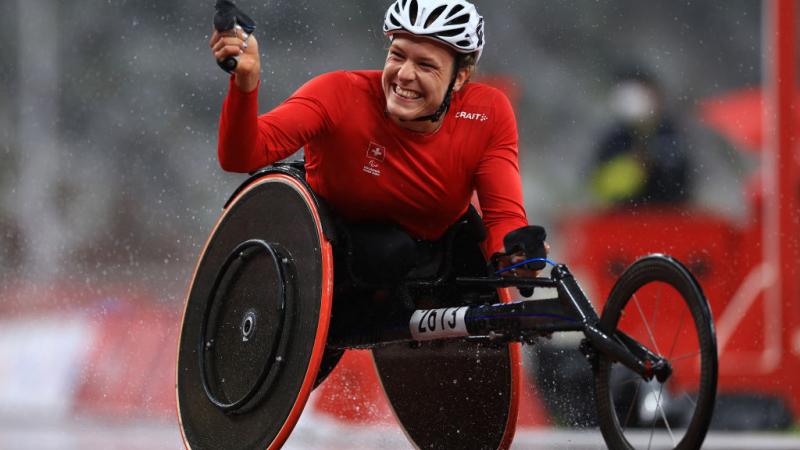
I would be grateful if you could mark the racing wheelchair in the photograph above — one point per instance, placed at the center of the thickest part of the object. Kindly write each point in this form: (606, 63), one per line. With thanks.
(261, 330)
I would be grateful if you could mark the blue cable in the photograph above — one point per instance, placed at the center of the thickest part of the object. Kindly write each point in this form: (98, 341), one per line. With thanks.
(535, 315)
(545, 260)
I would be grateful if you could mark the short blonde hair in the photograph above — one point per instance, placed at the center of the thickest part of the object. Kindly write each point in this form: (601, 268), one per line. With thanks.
(467, 60)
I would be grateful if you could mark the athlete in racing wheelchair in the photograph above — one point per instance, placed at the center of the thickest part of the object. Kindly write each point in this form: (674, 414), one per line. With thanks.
(373, 243)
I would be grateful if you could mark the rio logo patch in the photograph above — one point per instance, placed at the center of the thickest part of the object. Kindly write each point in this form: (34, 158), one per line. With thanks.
(376, 154)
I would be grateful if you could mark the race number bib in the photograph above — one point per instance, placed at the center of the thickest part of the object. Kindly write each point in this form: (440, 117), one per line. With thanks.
(428, 324)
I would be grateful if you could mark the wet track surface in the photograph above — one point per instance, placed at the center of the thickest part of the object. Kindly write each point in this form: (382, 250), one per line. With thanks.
(321, 434)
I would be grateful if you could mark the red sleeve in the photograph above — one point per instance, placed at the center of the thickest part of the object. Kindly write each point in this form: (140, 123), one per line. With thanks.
(497, 179)
(248, 142)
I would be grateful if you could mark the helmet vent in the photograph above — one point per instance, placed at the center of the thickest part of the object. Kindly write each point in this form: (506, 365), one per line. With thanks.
(395, 22)
(435, 15)
(463, 43)
(460, 20)
(412, 11)
(450, 33)
(456, 9)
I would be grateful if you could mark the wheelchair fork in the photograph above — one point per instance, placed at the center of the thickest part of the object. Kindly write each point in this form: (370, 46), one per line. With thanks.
(619, 346)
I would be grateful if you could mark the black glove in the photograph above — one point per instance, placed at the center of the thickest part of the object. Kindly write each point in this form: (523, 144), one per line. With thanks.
(225, 19)
(530, 241)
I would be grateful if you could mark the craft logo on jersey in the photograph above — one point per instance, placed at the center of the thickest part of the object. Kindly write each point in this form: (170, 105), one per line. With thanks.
(376, 154)
(472, 116)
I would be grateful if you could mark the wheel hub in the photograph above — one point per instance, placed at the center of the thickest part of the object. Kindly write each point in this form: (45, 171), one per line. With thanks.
(248, 326)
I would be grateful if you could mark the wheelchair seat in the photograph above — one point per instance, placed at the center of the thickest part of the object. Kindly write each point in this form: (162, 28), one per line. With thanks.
(382, 255)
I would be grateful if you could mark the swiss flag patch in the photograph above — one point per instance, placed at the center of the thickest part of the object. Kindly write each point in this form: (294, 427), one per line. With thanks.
(376, 152)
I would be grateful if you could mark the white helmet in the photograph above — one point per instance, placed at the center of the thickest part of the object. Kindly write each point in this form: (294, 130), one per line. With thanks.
(454, 22)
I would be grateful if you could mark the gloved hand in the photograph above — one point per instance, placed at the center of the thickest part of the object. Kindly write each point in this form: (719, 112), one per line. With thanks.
(528, 242)
(520, 245)
(228, 16)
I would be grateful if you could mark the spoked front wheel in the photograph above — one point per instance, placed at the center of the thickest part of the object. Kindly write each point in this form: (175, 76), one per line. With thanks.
(658, 303)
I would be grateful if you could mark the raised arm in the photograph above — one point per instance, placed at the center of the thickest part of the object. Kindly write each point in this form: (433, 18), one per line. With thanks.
(237, 150)
(248, 142)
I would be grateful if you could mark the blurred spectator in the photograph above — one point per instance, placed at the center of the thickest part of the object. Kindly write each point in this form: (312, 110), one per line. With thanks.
(641, 159)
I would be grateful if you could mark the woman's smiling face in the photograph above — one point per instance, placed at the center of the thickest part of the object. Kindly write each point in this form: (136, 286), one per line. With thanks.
(415, 79)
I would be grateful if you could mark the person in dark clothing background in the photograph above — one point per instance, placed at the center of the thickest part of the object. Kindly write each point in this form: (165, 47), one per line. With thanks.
(642, 158)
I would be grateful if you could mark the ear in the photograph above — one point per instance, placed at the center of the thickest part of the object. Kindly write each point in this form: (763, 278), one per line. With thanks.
(462, 77)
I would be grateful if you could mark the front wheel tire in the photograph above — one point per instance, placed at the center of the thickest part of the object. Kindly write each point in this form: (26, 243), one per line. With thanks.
(658, 302)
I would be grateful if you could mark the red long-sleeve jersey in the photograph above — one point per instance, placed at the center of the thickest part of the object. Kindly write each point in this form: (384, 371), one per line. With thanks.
(370, 169)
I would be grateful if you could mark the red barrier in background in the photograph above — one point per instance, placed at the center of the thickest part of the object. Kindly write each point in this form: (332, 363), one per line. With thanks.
(603, 244)
(131, 368)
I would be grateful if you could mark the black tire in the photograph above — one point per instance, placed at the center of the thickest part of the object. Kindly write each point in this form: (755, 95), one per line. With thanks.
(681, 408)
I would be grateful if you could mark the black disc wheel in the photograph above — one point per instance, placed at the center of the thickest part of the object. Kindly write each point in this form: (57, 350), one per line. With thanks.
(658, 303)
(256, 318)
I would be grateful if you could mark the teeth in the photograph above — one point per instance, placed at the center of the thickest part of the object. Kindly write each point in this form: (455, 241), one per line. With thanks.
(411, 95)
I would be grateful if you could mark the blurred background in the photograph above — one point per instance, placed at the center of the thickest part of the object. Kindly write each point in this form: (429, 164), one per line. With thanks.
(109, 186)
